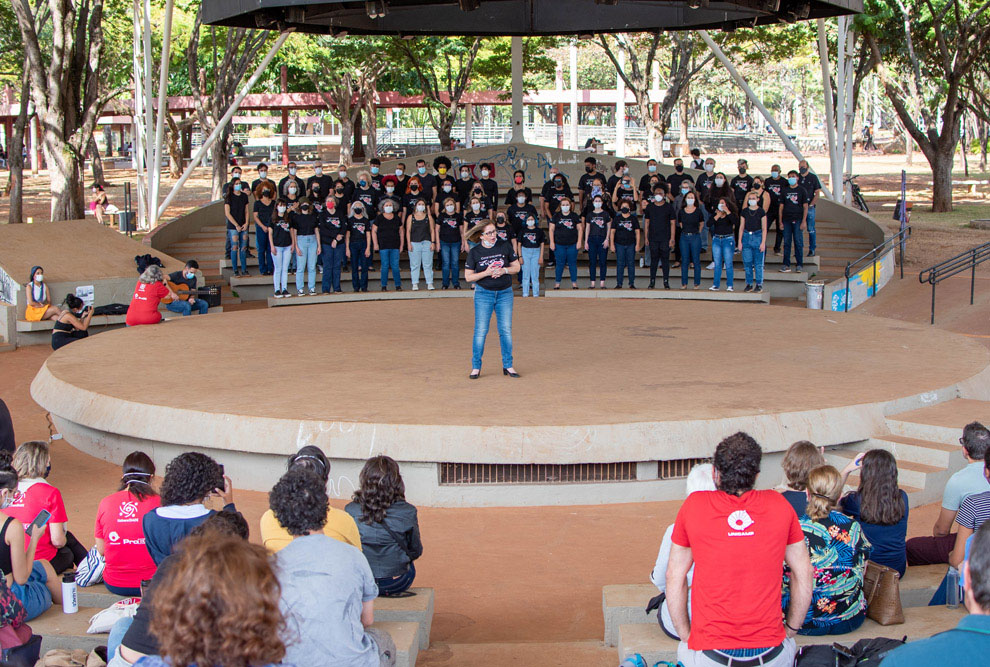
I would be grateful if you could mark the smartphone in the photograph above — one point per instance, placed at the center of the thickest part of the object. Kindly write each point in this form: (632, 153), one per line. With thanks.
(39, 522)
(222, 473)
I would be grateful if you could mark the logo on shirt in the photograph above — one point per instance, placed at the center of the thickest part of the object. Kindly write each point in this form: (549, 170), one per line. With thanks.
(626, 225)
(566, 222)
(113, 537)
(793, 197)
(739, 521)
(494, 262)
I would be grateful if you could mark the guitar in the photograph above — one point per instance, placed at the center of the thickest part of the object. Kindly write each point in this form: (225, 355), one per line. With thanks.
(182, 291)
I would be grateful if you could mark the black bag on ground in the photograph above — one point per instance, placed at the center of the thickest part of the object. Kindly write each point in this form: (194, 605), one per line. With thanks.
(144, 261)
(25, 655)
(864, 653)
(111, 309)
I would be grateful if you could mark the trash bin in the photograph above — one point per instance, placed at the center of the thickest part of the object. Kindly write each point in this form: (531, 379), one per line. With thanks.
(815, 293)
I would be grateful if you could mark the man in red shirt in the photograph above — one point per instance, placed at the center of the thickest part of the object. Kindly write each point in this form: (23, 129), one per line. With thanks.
(737, 539)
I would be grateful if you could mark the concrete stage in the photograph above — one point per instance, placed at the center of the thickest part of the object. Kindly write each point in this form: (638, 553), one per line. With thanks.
(631, 384)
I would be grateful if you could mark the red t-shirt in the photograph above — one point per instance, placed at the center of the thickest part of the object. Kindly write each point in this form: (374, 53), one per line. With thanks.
(144, 304)
(118, 524)
(33, 496)
(738, 545)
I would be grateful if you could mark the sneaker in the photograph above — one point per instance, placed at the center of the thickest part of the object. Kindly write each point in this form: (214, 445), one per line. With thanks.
(302, 293)
(285, 293)
(683, 286)
(443, 287)
(713, 288)
(458, 286)
(784, 269)
(398, 288)
(749, 288)
(430, 287)
(384, 289)
(278, 295)
(697, 286)
(758, 289)
(729, 289)
(710, 266)
(631, 286)
(799, 269)
(415, 288)
(618, 287)
(312, 291)
(811, 253)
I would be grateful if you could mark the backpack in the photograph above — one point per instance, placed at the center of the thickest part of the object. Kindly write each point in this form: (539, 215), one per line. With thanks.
(111, 309)
(864, 653)
(146, 260)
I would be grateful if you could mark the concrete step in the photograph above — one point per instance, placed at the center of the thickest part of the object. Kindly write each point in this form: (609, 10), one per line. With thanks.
(909, 473)
(921, 451)
(406, 638)
(625, 604)
(919, 622)
(7, 347)
(96, 596)
(942, 423)
(417, 609)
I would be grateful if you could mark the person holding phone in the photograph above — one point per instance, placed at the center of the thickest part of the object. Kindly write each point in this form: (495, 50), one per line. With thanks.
(35, 495)
(72, 323)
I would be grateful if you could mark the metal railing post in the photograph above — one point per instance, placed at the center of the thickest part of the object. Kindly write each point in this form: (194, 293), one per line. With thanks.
(933, 301)
(874, 273)
(972, 280)
(846, 309)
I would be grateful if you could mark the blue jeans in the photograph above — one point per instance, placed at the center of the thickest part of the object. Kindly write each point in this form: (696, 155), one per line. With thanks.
(597, 257)
(565, 254)
(420, 256)
(812, 245)
(238, 249)
(280, 259)
(185, 309)
(265, 263)
(306, 261)
(333, 261)
(486, 302)
(625, 260)
(792, 231)
(393, 585)
(530, 271)
(117, 633)
(359, 265)
(722, 249)
(450, 254)
(34, 594)
(690, 252)
(390, 260)
(752, 257)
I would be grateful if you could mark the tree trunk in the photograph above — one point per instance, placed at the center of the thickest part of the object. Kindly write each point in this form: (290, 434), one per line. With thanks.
(444, 126)
(15, 161)
(371, 149)
(981, 131)
(358, 136)
(219, 153)
(908, 148)
(67, 202)
(941, 162)
(96, 162)
(172, 136)
(682, 106)
(346, 139)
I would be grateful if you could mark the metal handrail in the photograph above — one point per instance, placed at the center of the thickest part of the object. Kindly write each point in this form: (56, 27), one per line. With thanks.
(964, 261)
(899, 238)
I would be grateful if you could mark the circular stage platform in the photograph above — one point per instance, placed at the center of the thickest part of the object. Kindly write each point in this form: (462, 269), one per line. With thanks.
(612, 390)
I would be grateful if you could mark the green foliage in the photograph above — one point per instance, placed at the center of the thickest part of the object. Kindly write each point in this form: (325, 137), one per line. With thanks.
(493, 67)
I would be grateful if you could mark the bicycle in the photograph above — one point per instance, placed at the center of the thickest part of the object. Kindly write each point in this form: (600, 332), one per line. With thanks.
(857, 195)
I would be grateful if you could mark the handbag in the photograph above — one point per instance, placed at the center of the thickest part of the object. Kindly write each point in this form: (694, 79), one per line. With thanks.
(881, 588)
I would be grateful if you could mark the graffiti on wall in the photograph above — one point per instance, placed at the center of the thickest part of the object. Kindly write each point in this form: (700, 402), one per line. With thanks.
(8, 288)
(862, 286)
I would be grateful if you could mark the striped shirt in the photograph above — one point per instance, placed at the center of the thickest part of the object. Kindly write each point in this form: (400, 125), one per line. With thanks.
(974, 510)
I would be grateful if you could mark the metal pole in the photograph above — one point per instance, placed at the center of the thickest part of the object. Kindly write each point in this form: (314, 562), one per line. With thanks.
(972, 280)
(741, 82)
(874, 273)
(137, 145)
(620, 109)
(846, 193)
(224, 120)
(834, 164)
(156, 168)
(517, 90)
(846, 310)
(148, 114)
(933, 301)
(574, 98)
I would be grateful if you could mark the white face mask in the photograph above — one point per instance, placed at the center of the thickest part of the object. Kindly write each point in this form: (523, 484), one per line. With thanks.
(719, 182)
(690, 201)
(625, 170)
(387, 209)
(564, 208)
(721, 207)
(292, 171)
(597, 205)
(450, 208)
(398, 173)
(446, 188)
(342, 174)
(753, 203)
(281, 210)
(39, 277)
(651, 168)
(465, 174)
(531, 223)
(484, 173)
(420, 208)
(318, 171)
(262, 175)
(475, 207)
(389, 189)
(520, 200)
(709, 168)
(487, 242)
(658, 198)
(293, 190)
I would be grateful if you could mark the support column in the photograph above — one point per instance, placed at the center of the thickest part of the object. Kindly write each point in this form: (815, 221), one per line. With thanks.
(560, 124)
(833, 156)
(574, 98)
(850, 45)
(284, 75)
(468, 125)
(517, 90)
(620, 110)
(33, 149)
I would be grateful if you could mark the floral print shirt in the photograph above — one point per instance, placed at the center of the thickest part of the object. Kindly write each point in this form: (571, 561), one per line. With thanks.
(839, 551)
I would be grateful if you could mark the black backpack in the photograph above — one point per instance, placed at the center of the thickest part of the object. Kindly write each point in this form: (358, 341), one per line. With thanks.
(144, 261)
(864, 653)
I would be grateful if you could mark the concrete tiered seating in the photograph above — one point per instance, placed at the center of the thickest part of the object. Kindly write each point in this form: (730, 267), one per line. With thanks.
(623, 604)
(919, 623)
(417, 609)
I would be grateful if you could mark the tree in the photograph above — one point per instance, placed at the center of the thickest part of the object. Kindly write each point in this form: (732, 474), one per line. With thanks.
(640, 52)
(443, 69)
(15, 158)
(924, 52)
(68, 86)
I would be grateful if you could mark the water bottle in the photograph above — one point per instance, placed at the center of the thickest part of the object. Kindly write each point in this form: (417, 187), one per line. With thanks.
(634, 660)
(952, 588)
(69, 603)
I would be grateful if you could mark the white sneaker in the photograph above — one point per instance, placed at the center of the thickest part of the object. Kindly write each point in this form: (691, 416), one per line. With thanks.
(312, 292)
(301, 293)
(713, 288)
(430, 287)
(415, 287)
(278, 294)
(710, 266)
(729, 289)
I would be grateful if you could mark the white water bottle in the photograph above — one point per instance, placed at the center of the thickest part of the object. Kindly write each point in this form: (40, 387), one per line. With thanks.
(69, 603)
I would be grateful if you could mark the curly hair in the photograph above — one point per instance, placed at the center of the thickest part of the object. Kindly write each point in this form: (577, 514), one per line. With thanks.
(381, 486)
(799, 460)
(219, 605)
(138, 470)
(224, 522)
(189, 478)
(737, 461)
(880, 499)
(299, 501)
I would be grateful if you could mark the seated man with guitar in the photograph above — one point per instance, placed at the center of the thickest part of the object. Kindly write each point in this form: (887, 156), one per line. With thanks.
(183, 283)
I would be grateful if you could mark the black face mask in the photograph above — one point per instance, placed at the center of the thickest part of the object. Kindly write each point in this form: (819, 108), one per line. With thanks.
(589, 169)
(742, 170)
(625, 209)
(48, 470)
(678, 168)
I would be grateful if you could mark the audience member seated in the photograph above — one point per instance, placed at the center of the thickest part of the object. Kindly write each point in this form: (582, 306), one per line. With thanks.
(340, 525)
(119, 534)
(26, 577)
(736, 590)
(39, 299)
(322, 579)
(218, 607)
(964, 644)
(148, 293)
(57, 545)
(8, 443)
(881, 509)
(187, 277)
(190, 480)
(72, 323)
(388, 525)
(973, 513)
(799, 460)
(839, 552)
(131, 638)
(699, 479)
(935, 549)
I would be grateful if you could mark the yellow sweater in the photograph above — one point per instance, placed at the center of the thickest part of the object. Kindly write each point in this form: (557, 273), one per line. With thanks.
(339, 526)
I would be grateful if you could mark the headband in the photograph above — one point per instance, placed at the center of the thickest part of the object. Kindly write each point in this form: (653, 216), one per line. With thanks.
(309, 456)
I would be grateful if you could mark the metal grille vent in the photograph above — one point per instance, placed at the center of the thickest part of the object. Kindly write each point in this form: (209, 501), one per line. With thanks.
(677, 468)
(534, 473)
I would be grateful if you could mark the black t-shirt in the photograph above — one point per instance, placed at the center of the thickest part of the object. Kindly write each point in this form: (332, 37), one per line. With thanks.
(705, 183)
(348, 186)
(597, 223)
(675, 180)
(531, 237)
(659, 216)
(441, 195)
(586, 180)
(7, 441)
(333, 227)
(505, 232)
(281, 236)
(644, 182)
(753, 219)
(512, 193)
(612, 181)
(369, 197)
(409, 202)
(304, 223)
(238, 205)
(625, 229)
(565, 228)
(463, 189)
(429, 182)
(690, 222)
(775, 186)
(793, 200)
(322, 183)
(388, 232)
(480, 258)
(264, 212)
(471, 218)
(490, 186)
(810, 183)
(283, 186)
(625, 194)
(396, 204)
(740, 186)
(554, 197)
(359, 228)
(549, 187)
(517, 215)
(400, 189)
(450, 227)
(724, 226)
(419, 230)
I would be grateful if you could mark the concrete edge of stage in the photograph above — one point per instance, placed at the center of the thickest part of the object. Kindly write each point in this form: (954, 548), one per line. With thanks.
(253, 449)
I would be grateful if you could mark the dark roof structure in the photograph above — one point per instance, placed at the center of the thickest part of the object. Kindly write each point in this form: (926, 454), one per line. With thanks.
(415, 18)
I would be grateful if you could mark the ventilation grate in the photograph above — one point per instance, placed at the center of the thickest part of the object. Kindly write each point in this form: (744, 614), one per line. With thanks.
(452, 474)
(677, 468)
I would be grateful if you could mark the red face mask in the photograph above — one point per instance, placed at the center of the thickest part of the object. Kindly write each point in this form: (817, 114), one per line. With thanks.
(519, 180)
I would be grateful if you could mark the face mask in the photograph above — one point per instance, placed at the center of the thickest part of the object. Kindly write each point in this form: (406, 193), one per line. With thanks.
(442, 171)
(421, 170)
(625, 170)
(651, 168)
(446, 188)
(803, 170)
(721, 207)
(678, 168)
(597, 205)
(389, 189)
(752, 203)
(658, 198)
(7, 502)
(316, 190)
(359, 212)
(420, 208)
(774, 174)
(475, 207)
(684, 191)
(342, 174)
(398, 173)
(292, 171)
(589, 168)
(626, 184)
(792, 181)
(625, 209)
(709, 168)
(281, 210)
(518, 180)
(742, 170)
(488, 243)
(450, 208)
(190, 276)
(564, 208)
(363, 183)
(531, 223)
(595, 190)
(387, 209)
(558, 184)
(262, 175)
(331, 204)
(719, 182)
(484, 173)
(414, 188)
(757, 186)
(690, 201)
(465, 175)
(237, 187)
(374, 171)
(236, 175)
(520, 200)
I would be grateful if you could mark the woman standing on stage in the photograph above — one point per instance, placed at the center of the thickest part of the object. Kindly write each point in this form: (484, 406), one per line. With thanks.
(490, 265)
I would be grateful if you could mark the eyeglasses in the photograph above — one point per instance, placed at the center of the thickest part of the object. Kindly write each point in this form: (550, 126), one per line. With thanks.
(489, 233)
